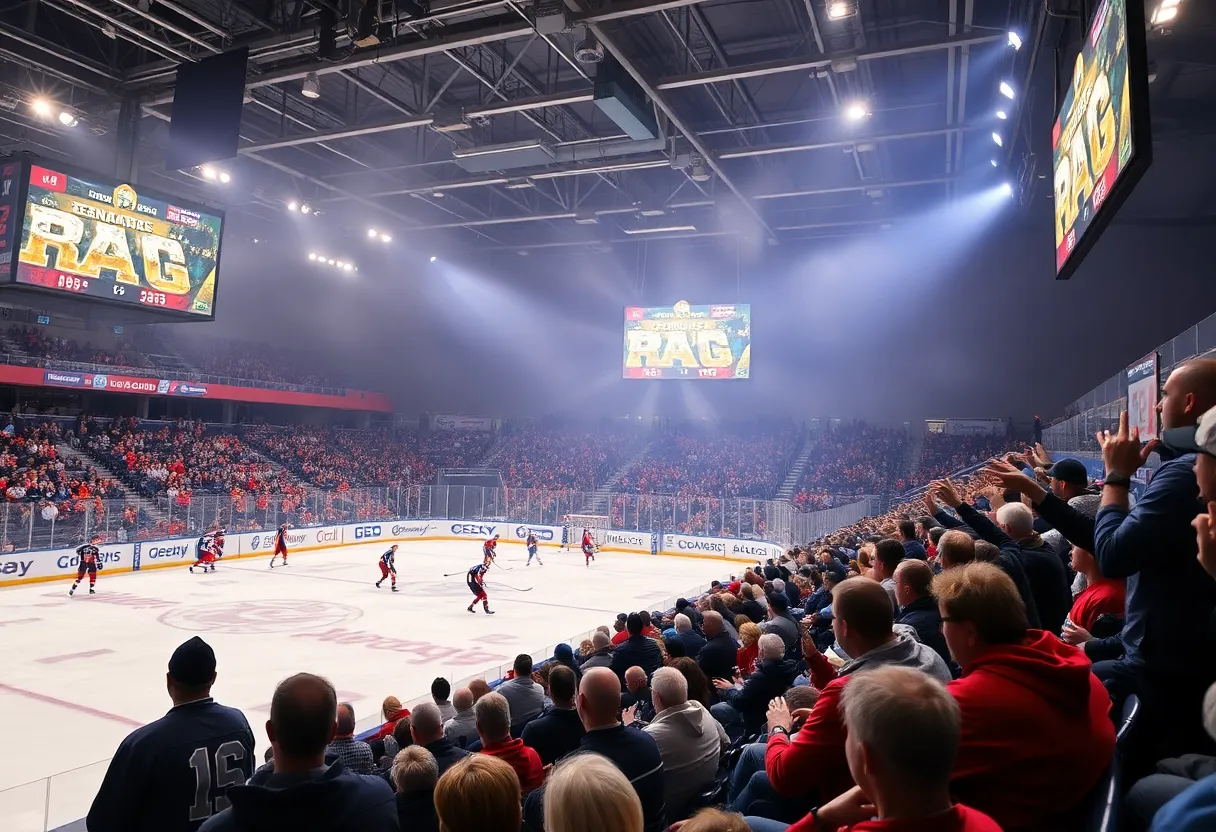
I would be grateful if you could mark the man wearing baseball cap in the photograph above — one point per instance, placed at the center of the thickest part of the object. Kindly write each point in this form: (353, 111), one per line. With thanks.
(174, 773)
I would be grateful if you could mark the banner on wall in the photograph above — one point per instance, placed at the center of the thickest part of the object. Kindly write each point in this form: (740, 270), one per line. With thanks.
(482, 423)
(62, 563)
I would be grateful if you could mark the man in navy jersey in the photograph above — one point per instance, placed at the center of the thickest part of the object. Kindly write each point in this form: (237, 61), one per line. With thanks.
(280, 544)
(388, 567)
(174, 773)
(90, 561)
(204, 553)
(476, 580)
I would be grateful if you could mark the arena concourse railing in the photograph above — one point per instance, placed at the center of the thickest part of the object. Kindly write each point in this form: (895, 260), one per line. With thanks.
(1099, 409)
(31, 525)
(163, 372)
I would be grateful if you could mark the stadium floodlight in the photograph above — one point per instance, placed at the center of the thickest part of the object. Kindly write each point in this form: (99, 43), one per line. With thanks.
(305, 208)
(340, 264)
(1002, 115)
(996, 137)
(1006, 90)
(312, 255)
(209, 173)
(994, 163)
(224, 177)
(433, 258)
(330, 262)
(41, 107)
(373, 233)
(839, 10)
(348, 267)
(1007, 189)
(384, 238)
(311, 87)
(67, 119)
(293, 206)
(1015, 40)
(856, 111)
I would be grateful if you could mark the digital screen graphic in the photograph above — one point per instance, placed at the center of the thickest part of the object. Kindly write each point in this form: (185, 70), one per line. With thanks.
(1098, 133)
(688, 342)
(86, 236)
(1142, 385)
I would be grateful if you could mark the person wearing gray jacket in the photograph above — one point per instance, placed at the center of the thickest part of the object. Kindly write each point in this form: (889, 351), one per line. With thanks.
(602, 657)
(690, 741)
(526, 698)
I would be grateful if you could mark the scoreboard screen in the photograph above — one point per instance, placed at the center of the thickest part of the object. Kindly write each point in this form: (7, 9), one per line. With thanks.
(84, 235)
(1100, 141)
(688, 342)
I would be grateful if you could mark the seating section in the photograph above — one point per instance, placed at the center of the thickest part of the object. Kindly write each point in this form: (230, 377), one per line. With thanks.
(849, 460)
(943, 454)
(561, 458)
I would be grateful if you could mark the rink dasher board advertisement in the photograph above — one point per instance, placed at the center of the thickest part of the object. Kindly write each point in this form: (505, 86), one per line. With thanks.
(61, 564)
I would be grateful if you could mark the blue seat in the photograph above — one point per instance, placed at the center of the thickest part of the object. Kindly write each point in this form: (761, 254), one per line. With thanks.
(1100, 809)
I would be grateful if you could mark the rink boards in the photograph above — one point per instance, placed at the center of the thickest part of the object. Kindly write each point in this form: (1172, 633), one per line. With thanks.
(60, 564)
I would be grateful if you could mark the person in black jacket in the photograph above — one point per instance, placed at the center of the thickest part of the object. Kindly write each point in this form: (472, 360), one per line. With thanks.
(172, 774)
(558, 731)
(426, 727)
(917, 606)
(692, 642)
(744, 706)
(415, 773)
(913, 548)
(750, 606)
(636, 651)
(717, 657)
(303, 792)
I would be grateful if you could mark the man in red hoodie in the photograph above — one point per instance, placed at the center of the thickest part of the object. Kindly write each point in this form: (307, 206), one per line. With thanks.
(493, 720)
(1037, 733)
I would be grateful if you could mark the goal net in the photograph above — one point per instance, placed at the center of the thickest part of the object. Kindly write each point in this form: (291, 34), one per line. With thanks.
(575, 523)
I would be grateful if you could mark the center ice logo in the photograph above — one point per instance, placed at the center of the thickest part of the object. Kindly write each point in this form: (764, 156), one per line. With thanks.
(255, 617)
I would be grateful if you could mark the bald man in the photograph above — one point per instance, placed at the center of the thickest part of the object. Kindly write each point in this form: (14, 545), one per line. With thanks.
(1165, 652)
(639, 694)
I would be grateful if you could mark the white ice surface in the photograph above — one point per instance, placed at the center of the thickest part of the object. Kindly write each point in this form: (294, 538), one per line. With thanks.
(321, 614)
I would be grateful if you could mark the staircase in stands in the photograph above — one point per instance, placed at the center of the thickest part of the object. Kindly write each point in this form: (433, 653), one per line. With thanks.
(786, 490)
(143, 503)
(601, 498)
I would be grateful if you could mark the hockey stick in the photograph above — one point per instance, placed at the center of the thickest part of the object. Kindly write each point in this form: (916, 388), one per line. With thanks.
(514, 588)
(450, 574)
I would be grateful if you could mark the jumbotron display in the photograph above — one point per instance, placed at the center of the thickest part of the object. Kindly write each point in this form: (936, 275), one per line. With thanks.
(688, 342)
(1100, 142)
(84, 235)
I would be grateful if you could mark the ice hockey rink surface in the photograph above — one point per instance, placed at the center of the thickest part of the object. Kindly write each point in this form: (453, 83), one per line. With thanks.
(78, 674)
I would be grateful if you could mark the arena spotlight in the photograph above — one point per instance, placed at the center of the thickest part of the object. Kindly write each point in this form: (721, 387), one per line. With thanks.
(224, 177)
(41, 107)
(1007, 189)
(994, 163)
(373, 233)
(1165, 12)
(311, 87)
(209, 173)
(1002, 115)
(996, 137)
(293, 206)
(1015, 40)
(856, 111)
(839, 10)
(433, 258)
(305, 208)
(348, 267)
(312, 255)
(384, 238)
(67, 119)
(1006, 90)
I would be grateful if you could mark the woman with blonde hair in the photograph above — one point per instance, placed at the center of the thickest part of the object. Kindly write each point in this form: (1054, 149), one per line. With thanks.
(588, 793)
(478, 793)
(747, 655)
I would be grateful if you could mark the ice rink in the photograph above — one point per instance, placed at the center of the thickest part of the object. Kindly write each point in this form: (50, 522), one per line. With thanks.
(78, 674)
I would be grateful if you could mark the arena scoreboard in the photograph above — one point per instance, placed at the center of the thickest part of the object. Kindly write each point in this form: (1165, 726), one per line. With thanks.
(688, 342)
(1100, 141)
(94, 238)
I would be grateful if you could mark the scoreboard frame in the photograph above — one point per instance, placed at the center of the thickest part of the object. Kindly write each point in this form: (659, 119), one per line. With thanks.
(1140, 130)
(103, 307)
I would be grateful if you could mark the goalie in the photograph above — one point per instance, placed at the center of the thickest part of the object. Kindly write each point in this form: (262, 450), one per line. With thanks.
(589, 547)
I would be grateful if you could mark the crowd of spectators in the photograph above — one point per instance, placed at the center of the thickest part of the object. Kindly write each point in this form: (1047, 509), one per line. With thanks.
(257, 362)
(737, 462)
(943, 454)
(851, 459)
(1011, 653)
(38, 342)
(563, 458)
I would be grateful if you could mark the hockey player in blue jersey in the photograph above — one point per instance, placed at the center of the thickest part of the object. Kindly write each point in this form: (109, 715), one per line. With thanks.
(531, 544)
(476, 580)
(204, 553)
(388, 567)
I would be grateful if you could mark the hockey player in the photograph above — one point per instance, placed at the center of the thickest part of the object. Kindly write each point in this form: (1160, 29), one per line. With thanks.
(204, 553)
(90, 561)
(388, 567)
(489, 549)
(531, 544)
(280, 544)
(217, 545)
(476, 579)
(588, 547)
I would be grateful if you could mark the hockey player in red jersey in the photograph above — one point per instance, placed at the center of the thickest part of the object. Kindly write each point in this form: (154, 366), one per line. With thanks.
(588, 548)
(388, 567)
(280, 544)
(90, 561)
(204, 554)
(217, 545)
(489, 549)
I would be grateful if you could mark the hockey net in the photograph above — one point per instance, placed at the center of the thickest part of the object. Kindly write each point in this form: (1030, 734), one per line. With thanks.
(575, 523)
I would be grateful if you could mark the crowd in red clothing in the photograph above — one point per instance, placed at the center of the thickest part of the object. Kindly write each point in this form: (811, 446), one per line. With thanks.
(943, 454)
(37, 342)
(853, 459)
(561, 458)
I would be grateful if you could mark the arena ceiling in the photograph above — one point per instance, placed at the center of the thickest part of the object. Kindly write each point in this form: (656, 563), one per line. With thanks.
(777, 120)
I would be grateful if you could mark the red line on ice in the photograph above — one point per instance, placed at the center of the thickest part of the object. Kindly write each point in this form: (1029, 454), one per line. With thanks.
(71, 706)
(88, 654)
